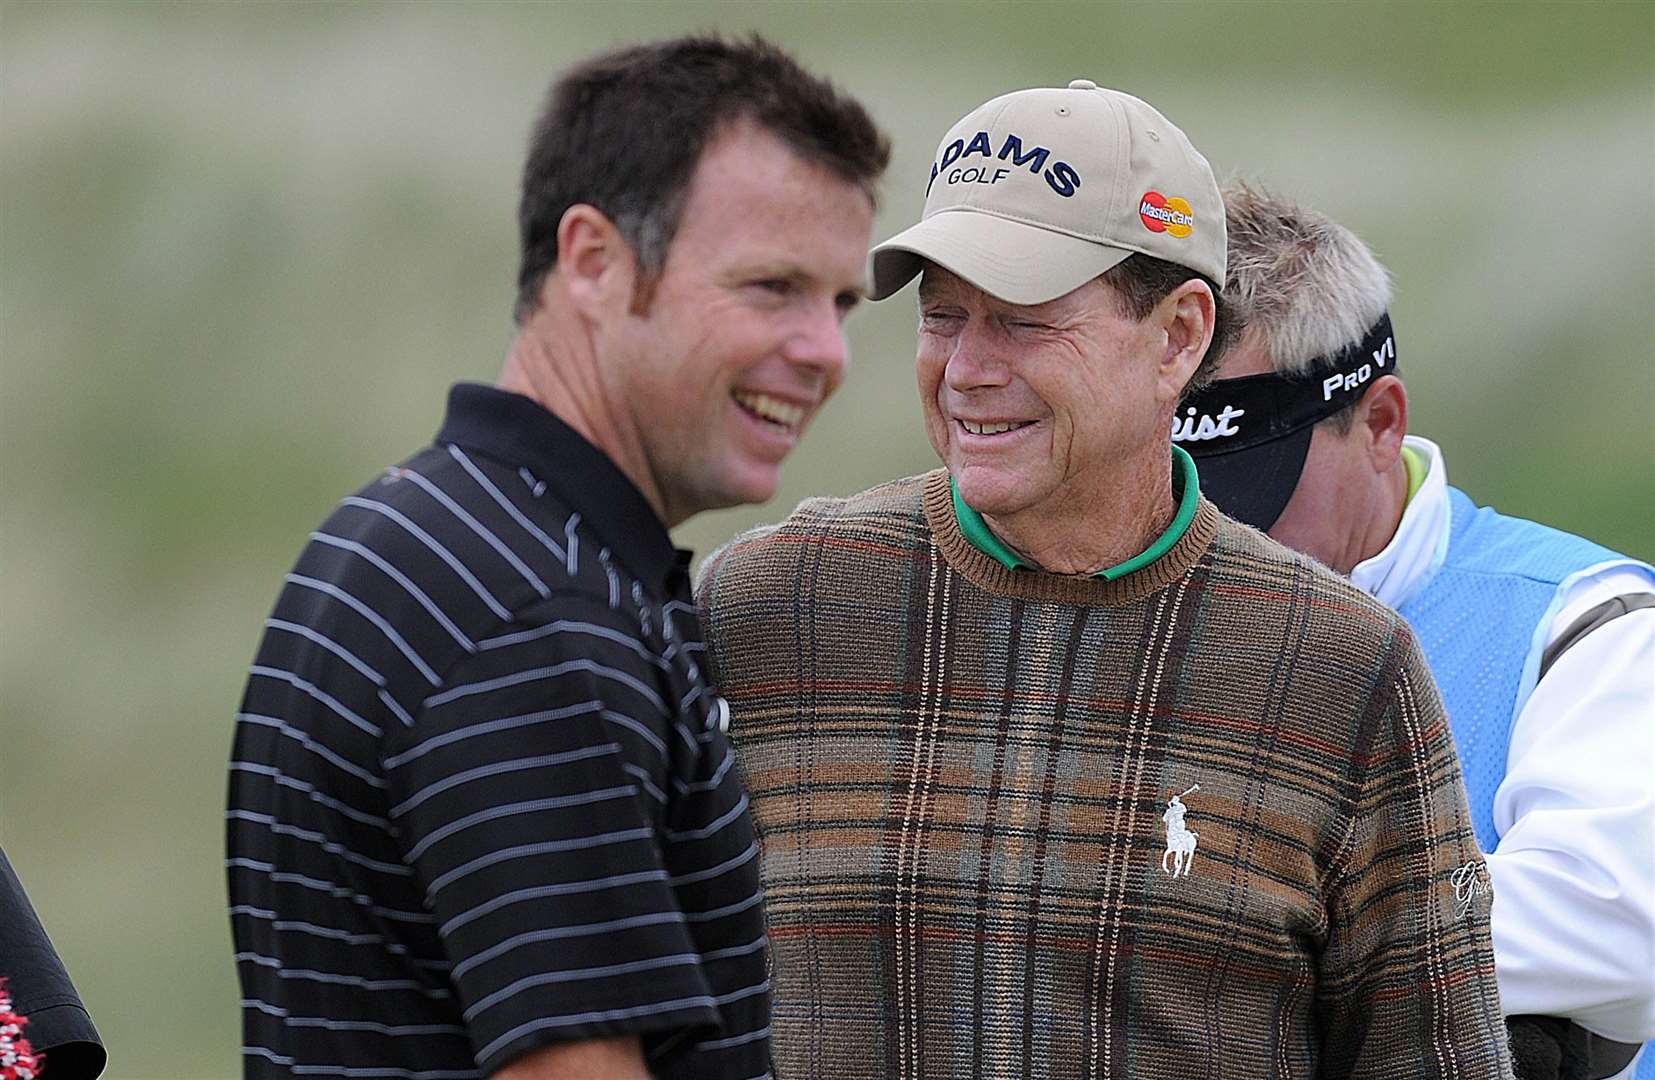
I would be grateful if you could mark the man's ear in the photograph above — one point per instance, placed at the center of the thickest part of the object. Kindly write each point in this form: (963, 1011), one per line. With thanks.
(595, 264)
(1382, 419)
(1187, 314)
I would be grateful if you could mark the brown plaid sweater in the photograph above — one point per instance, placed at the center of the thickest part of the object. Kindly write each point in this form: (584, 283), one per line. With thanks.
(963, 777)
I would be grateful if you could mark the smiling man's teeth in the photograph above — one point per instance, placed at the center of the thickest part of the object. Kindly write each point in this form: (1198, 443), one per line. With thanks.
(992, 429)
(772, 409)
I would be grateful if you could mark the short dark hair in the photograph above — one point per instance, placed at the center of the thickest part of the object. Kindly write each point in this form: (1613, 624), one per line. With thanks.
(1142, 281)
(624, 130)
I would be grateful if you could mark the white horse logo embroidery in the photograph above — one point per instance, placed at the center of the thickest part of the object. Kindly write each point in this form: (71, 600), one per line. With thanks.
(1180, 841)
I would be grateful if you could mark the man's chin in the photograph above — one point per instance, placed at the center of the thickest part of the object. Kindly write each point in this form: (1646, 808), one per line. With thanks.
(753, 485)
(696, 494)
(990, 491)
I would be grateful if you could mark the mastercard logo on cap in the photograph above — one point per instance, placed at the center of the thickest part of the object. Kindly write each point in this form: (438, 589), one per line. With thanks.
(1160, 214)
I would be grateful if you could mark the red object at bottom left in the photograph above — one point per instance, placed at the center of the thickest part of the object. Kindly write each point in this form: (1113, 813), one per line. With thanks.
(18, 1061)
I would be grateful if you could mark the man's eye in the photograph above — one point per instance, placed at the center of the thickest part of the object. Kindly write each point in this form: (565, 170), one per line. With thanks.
(778, 286)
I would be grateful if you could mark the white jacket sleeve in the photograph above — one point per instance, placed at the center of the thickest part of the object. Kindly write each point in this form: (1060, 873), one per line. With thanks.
(1574, 872)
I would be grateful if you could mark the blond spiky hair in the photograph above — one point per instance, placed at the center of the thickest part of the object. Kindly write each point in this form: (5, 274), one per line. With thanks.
(1299, 279)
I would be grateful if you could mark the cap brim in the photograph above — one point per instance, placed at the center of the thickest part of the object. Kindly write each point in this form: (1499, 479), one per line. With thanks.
(1253, 485)
(1012, 260)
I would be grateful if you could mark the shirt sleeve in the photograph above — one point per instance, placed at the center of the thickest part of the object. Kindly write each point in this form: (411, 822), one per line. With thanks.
(1407, 972)
(528, 797)
(1574, 872)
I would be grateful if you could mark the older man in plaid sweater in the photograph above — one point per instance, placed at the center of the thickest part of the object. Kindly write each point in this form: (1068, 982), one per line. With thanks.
(1058, 771)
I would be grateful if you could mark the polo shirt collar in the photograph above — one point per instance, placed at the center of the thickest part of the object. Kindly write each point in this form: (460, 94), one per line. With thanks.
(1186, 489)
(520, 432)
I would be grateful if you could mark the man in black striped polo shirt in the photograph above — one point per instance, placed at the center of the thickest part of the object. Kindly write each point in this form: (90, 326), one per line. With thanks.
(483, 819)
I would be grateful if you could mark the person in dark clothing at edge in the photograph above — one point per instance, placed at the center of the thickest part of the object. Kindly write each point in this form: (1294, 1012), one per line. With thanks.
(482, 816)
(45, 1031)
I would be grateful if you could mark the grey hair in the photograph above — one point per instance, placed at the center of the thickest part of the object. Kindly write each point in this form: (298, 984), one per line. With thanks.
(1298, 279)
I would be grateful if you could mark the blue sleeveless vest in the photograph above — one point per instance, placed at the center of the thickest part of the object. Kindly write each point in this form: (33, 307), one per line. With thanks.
(1479, 621)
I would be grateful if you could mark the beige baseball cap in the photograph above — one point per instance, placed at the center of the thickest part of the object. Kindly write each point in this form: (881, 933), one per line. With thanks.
(1037, 192)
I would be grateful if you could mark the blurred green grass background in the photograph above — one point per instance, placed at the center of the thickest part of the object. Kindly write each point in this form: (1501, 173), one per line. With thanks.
(225, 228)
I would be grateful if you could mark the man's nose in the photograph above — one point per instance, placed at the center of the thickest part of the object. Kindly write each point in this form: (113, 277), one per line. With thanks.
(818, 343)
(978, 359)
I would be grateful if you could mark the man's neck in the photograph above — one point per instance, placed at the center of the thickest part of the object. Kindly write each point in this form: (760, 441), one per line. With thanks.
(1084, 531)
(559, 371)
(1380, 524)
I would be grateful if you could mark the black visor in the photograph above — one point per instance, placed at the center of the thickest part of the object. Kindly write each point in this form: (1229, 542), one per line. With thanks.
(1249, 436)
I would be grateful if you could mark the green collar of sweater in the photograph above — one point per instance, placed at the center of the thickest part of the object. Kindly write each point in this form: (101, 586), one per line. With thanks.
(968, 545)
(1185, 488)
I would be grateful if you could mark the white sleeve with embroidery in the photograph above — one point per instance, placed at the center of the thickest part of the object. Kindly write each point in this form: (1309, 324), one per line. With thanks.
(1574, 873)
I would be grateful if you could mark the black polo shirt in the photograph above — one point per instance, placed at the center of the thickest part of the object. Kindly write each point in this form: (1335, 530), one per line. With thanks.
(480, 795)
